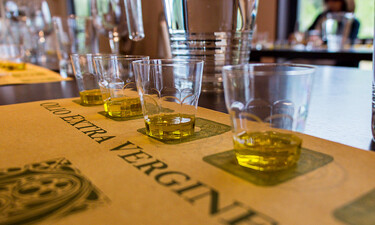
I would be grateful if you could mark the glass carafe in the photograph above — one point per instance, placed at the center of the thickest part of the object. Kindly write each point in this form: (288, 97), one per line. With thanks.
(217, 31)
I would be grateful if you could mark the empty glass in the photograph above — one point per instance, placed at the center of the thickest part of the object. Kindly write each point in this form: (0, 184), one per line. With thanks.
(30, 24)
(336, 29)
(263, 101)
(117, 84)
(73, 35)
(169, 91)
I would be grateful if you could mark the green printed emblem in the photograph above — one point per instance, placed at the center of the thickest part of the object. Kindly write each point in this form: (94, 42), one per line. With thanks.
(358, 212)
(43, 191)
(207, 128)
(309, 161)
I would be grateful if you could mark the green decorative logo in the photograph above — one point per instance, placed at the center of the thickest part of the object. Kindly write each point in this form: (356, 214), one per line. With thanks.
(50, 189)
(309, 161)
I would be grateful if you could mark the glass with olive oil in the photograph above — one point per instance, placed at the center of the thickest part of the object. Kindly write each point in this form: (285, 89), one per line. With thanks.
(173, 86)
(123, 107)
(117, 84)
(267, 151)
(170, 126)
(87, 79)
(266, 103)
(91, 97)
(9, 65)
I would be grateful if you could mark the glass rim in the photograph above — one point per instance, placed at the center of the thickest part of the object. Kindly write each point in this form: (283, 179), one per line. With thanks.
(168, 62)
(304, 69)
(331, 15)
(80, 54)
(117, 56)
(107, 55)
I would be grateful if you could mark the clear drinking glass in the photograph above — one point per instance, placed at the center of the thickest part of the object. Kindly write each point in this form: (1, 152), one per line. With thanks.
(30, 23)
(216, 31)
(169, 91)
(12, 57)
(73, 35)
(264, 101)
(117, 84)
(87, 79)
(336, 29)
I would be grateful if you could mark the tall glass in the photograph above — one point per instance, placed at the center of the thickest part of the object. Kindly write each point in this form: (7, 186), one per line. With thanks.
(216, 31)
(117, 84)
(30, 23)
(264, 101)
(74, 35)
(118, 18)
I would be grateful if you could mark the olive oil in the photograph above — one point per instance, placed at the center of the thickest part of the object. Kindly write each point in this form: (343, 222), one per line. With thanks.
(9, 65)
(267, 151)
(91, 97)
(170, 126)
(123, 107)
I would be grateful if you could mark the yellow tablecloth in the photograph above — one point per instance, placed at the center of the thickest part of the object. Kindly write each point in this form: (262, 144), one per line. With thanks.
(32, 74)
(63, 163)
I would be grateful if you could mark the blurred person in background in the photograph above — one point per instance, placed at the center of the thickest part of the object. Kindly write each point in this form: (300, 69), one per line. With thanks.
(335, 6)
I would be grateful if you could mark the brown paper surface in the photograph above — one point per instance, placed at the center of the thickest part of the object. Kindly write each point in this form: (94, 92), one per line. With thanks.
(64, 163)
(32, 74)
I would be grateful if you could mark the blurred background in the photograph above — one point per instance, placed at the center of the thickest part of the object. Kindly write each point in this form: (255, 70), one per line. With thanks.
(283, 32)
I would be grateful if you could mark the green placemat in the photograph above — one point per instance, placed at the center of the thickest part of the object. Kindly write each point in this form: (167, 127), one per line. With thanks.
(207, 128)
(78, 101)
(103, 113)
(361, 211)
(309, 161)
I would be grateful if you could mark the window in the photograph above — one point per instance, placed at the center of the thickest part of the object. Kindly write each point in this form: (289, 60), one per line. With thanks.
(82, 7)
(364, 12)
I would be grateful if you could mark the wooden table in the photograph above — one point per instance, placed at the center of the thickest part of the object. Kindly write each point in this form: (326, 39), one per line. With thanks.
(340, 107)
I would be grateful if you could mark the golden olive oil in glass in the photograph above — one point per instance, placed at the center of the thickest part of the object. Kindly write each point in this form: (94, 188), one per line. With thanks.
(9, 65)
(123, 107)
(91, 97)
(170, 126)
(267, 151)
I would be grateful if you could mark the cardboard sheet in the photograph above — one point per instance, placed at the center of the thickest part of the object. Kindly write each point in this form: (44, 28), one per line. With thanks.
(63, 163)
(32, 74)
